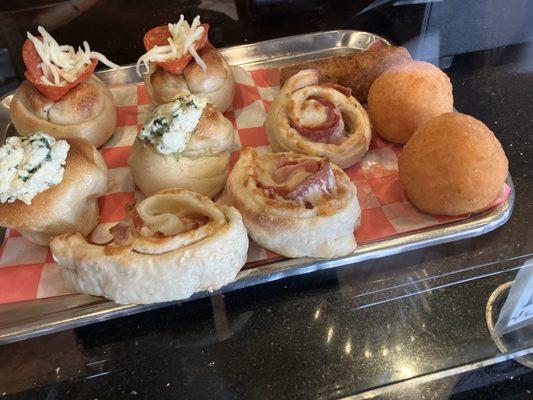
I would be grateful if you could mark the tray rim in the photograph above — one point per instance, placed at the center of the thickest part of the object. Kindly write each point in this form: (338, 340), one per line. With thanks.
(102, 309)
(105, 309)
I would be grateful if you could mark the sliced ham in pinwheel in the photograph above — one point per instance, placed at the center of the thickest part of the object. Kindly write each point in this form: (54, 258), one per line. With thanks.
(318, 118)
(295, 205)
(167, 247)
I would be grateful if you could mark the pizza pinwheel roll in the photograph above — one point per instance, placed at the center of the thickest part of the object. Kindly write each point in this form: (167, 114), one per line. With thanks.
(295, 205)
(169, 246)
(317, 118)
(184, 144)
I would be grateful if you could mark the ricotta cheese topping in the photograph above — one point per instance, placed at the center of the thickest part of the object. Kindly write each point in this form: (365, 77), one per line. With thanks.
(171, 125)
(61, 64)
(180, 43)
(30, 165)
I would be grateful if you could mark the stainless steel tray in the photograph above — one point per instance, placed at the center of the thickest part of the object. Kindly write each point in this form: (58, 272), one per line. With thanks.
(31, 318)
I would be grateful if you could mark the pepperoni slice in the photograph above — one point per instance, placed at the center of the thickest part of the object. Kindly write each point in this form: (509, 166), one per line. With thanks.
(323, 179)
(33, 73)
(159, 35)
(330, 131)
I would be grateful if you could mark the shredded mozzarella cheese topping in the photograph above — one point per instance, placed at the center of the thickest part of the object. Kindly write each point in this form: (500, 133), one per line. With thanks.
(60, 64)
(179, 44)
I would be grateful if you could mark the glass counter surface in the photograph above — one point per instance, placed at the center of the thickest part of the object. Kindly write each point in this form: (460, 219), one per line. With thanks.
(405, 326)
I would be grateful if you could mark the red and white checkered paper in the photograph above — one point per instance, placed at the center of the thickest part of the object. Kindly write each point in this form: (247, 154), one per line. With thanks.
(28, 271)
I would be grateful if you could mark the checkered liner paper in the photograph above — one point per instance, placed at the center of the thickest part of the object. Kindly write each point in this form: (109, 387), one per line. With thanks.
(28, 271)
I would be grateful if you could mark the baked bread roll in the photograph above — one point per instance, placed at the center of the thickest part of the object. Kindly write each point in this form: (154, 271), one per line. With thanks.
(216, 83)
(169, 246)
(42, 195)
(181, 60)
(88, 111)
(185, 144)
(405, 97)
(453, 165)
(319, 119)
(295, 205)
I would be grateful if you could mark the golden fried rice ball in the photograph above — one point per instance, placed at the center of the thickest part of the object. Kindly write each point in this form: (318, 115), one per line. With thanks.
(407, 96)
(453, 165)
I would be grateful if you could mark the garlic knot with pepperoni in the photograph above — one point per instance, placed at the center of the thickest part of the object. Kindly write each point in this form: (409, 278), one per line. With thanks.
(318, 118)
(169, 246)
(295, 205)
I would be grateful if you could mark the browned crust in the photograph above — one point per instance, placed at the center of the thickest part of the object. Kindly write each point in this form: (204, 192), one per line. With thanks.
(263, 221)
(216, 84)
(453, 165)
(209, 124)
(85, 102)
(162, 86)
(357, 70)
(213, 134)
(81, 166)
(87, 111)
(214, 76)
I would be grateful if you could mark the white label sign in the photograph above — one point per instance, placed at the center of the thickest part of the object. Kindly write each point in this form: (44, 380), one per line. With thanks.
(523, 309)
(517, 311)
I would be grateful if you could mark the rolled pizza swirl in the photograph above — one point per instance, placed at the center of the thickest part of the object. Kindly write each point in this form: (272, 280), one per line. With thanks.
(168, 247)
(295, 205)
(201, 167)
(69, 206)
(216, 83)
(320, 119)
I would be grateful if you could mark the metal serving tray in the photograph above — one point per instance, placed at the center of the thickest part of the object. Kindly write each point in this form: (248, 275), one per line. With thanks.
(31, 318)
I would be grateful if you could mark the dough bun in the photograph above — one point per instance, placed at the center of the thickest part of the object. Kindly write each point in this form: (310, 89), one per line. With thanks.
(453, 165)
(216, 84)
(70, 206)
(88, 111)
(405, 97)
(202, 167)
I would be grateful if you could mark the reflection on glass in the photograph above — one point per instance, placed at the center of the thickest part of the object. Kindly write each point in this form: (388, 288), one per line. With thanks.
(348, 346)
(406, 371)
(330, 334)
